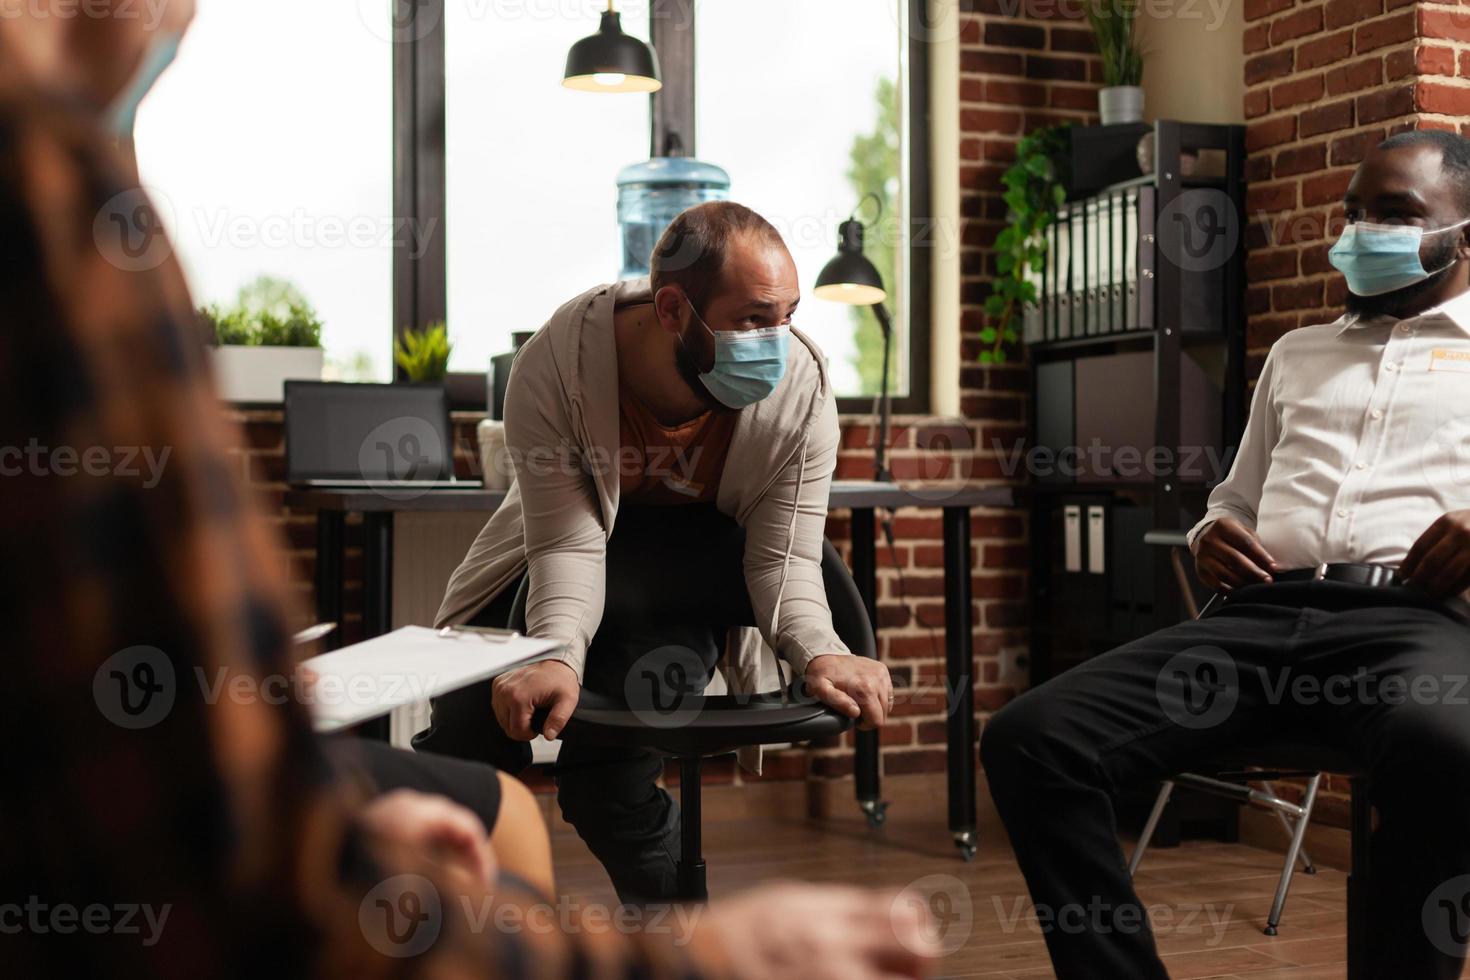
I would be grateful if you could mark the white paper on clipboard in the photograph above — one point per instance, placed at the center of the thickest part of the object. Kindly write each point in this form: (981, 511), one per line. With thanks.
(411, 664)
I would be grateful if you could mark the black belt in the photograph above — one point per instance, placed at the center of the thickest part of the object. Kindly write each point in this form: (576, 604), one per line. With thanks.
(1355, 573)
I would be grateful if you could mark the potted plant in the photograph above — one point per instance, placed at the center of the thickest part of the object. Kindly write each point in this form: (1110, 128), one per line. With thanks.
(1113, 28)
(424, 354)
(257, 351)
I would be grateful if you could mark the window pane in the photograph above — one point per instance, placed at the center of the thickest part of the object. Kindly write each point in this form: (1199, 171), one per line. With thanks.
(531, 167)
(800, 103)
(268, 147)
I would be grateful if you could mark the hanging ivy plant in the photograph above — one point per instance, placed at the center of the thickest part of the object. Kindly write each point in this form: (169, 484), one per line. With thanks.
(1034, 188)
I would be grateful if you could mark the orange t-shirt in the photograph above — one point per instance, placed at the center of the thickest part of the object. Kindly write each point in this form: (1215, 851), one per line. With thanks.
(665, 465)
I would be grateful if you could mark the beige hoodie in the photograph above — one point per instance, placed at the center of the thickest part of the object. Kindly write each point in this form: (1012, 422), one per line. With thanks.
(562, 406)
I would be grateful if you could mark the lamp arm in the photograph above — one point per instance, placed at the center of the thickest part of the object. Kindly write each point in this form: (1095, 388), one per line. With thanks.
(880, 465)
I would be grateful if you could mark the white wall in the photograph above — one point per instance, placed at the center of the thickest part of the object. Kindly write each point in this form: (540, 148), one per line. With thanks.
(1193, 66)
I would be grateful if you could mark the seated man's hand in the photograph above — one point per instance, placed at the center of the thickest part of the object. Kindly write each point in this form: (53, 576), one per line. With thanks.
(1228, 555)
(856, 686)
(1439, 562)
(436, 827)
(809, 932)
(549, 684)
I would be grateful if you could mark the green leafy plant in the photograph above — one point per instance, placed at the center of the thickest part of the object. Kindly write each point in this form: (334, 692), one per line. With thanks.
(299, 327)
(424, 354)
(1034, 187)
(1113, 23)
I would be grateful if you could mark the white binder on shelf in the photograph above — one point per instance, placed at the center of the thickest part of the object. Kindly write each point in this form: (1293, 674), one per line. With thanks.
(1072, 537)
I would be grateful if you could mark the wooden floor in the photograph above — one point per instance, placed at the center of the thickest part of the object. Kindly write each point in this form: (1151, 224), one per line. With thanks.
(1216, 895)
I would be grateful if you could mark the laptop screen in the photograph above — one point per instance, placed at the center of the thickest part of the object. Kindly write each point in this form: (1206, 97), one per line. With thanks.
(374, 432)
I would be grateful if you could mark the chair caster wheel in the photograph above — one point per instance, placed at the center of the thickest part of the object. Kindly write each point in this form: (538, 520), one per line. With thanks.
(1269, 930)
(965, 841)
(1310, 869)
(876, 811)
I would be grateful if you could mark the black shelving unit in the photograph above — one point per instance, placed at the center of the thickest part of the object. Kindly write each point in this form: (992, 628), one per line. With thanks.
(1156, 353)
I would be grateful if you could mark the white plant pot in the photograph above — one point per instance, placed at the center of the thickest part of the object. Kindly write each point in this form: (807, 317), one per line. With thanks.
(1120, 104)
(259, 374)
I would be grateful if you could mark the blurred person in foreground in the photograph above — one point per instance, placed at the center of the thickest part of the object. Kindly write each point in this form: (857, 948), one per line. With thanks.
(148, 830)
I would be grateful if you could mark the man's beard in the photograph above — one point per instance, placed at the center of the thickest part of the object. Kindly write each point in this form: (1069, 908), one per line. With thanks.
(690, 372)
(1401, 303)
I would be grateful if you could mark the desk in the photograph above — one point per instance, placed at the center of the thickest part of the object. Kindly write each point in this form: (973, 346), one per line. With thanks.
(862, 498)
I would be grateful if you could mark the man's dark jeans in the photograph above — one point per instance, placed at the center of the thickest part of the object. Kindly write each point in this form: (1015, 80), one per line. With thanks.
(1380, 671)
(608, 794)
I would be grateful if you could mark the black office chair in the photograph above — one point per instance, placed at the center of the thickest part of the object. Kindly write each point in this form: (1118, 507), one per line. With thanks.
(1293, 755)
(684, 564)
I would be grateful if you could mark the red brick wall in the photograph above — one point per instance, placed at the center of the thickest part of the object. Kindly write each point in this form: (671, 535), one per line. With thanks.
(1324, 83)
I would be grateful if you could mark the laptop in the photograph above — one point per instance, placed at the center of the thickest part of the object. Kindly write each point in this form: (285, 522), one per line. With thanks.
(346, 434)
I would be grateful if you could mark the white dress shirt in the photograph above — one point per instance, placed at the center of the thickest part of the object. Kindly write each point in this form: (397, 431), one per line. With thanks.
(1358, 439)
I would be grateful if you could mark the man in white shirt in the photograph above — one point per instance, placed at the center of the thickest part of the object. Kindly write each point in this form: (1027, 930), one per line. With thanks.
(1339, 546)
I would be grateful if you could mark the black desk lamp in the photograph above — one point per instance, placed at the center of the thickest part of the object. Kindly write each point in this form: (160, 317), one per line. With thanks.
(850, 278)
(611, 61)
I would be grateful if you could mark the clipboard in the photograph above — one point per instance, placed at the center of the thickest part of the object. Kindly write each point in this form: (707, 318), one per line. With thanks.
(412, 664)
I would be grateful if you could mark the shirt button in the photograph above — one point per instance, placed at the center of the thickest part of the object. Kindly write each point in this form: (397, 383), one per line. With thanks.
(1342, 512)
(1378, 413)
(1390, 367)
(1404, 328)
(1360, 466)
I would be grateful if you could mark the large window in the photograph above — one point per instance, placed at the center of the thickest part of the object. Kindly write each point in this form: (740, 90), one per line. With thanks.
(530, 168)
(268, 149)
(397, 162)
(801, 103)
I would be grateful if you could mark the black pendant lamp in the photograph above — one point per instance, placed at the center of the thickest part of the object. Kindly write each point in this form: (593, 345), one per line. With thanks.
(611, 61)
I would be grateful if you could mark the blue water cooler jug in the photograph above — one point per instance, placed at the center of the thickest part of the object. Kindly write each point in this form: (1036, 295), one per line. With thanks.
(652, 193)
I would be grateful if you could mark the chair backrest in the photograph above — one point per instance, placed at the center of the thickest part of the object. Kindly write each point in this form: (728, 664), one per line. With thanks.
(685, 564)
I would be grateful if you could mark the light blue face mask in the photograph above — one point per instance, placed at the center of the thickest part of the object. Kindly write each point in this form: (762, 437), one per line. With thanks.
(162, 51)
(748, 363)
(1377, 259)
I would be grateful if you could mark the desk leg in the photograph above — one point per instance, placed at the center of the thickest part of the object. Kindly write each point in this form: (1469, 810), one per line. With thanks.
(377, 574)
(959, 668)
(377, 599)
(329, 525)
(865, 574)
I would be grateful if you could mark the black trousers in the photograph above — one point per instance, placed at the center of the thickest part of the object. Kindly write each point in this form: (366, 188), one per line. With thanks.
(1382, 671)
(608, 793)
(382, 768)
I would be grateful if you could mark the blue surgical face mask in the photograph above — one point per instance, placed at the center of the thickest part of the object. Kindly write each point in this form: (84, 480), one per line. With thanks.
(1377, 259)
(162, 51)
(748, 363)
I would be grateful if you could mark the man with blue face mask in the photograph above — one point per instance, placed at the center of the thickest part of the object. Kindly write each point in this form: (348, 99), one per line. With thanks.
(1339, 549)
(663, 407)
